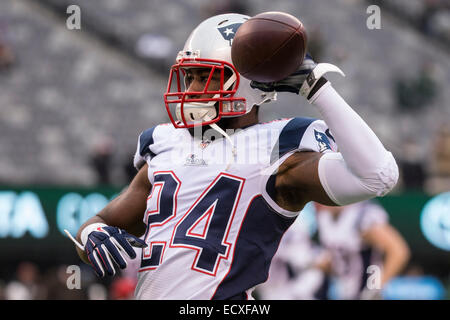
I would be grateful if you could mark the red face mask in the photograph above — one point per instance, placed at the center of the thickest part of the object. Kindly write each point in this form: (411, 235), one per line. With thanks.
(206, 105)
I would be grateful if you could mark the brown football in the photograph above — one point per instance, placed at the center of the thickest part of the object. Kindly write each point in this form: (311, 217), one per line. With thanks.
(269, 46)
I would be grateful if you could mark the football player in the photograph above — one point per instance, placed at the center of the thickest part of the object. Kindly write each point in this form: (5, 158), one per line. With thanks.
(216, 189)
(364, 251)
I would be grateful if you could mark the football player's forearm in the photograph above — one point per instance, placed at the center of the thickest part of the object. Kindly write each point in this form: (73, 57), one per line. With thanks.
(356, 140)
(124, 211)
(373, 168)
(101, 216)
(98, 218)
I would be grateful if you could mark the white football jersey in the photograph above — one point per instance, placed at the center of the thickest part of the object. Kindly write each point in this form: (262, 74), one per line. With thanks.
(351, 256)
(212, 224)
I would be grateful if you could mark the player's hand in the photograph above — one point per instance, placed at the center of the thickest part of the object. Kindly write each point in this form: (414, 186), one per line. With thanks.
(307, 80)
(292, 83)
(107, 244)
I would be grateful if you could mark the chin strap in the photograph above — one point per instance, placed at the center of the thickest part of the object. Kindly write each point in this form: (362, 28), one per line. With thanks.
(222, 132)
(233, 148)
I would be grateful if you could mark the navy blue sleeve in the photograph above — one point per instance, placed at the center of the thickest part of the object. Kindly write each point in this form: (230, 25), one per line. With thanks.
(145, 141)
(290, 137)
(143, 148)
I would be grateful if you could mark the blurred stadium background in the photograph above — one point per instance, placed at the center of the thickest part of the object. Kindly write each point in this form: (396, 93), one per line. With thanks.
(73, 102)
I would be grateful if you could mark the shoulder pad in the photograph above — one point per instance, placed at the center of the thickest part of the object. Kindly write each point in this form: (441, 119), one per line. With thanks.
(290, 137)
(145, 141)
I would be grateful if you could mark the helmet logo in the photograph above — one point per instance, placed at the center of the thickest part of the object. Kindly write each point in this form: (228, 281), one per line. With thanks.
(229, 31)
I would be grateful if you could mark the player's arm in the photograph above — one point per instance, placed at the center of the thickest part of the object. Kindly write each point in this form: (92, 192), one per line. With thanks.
(363, 168)
(388, 241)
(125, 214)
(298, 182)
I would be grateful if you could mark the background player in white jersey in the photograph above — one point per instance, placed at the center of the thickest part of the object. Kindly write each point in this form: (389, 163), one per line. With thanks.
(356, 237)
(212, 212)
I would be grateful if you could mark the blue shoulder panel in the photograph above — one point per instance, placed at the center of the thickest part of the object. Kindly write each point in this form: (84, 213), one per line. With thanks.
(145, 141)
(290, 137)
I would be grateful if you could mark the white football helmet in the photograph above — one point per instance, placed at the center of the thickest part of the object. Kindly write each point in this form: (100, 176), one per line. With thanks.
(209, 46)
